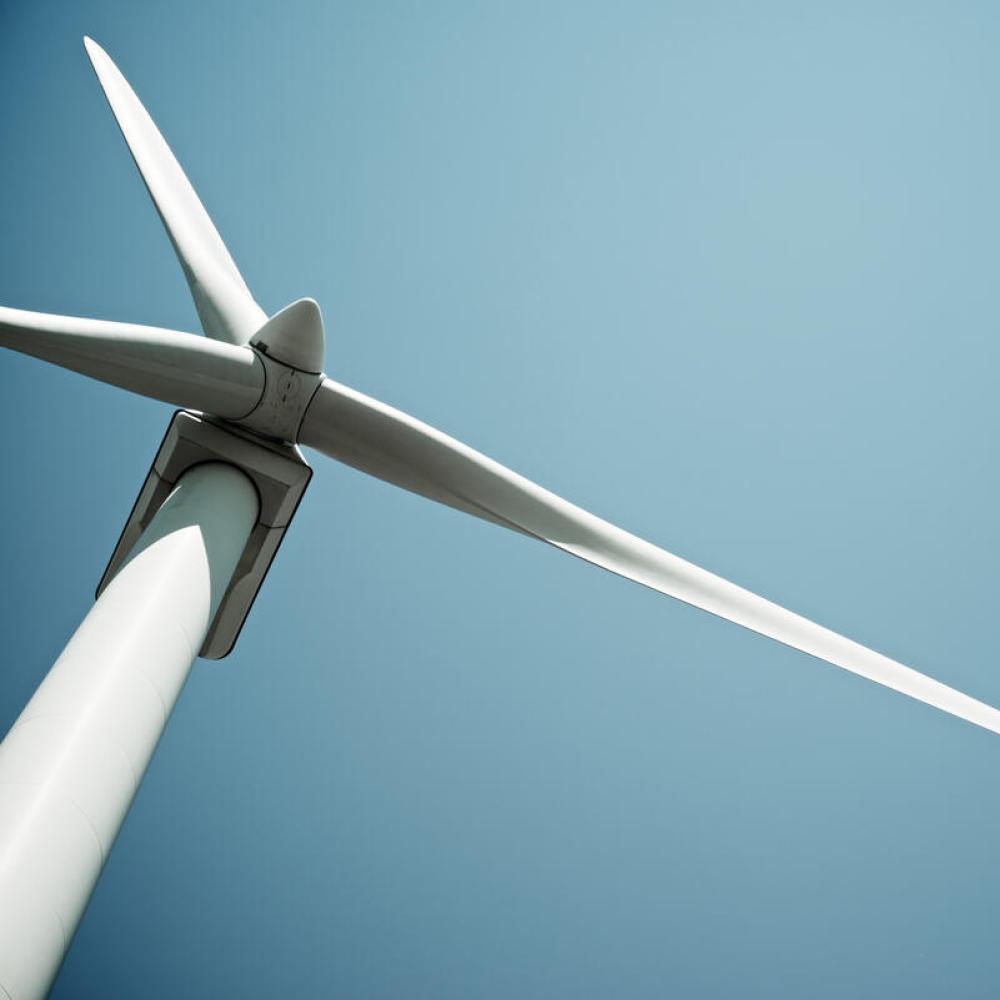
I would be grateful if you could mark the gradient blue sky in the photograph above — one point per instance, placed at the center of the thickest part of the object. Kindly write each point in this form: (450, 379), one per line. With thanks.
(725, 274)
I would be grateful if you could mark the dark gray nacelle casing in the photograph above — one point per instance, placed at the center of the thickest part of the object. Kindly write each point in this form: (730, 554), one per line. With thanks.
(280, 475)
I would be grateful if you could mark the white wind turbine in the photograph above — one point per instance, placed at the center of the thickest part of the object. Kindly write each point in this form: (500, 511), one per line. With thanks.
(203, 531)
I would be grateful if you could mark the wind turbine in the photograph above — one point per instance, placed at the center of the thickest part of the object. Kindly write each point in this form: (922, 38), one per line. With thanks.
(207, 522)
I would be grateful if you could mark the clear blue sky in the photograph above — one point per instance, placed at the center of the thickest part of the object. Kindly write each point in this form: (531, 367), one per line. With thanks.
(725, 274)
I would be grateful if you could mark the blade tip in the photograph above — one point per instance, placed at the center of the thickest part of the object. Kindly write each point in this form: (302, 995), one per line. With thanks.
(93, 49)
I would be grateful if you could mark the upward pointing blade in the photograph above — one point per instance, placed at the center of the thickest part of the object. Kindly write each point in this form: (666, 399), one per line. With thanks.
(183, 369)
(389, 444)
(225, 306)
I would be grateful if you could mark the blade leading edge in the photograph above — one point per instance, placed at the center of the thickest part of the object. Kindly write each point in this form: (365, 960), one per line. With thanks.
(225, 306)
(391, 445)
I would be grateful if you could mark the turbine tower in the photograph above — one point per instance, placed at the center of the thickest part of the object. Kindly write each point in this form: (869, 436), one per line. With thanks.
(208, 520)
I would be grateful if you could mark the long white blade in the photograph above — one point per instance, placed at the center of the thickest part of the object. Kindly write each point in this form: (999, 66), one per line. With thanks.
(183, 369)
(389, 444)
(225, 306)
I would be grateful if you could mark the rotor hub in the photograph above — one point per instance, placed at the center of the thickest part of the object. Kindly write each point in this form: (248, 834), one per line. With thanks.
(283, 403)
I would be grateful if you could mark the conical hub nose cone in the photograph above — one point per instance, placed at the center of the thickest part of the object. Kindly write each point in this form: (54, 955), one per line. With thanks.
(294, 337)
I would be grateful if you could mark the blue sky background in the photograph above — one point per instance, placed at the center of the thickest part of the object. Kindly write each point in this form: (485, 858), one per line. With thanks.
(725, 274)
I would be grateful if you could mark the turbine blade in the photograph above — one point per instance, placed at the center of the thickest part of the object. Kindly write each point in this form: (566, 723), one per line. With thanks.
(178, 368)
(225, 306)
(368, 435)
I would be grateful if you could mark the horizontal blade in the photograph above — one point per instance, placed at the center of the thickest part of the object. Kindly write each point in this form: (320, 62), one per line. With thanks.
(183, 369)
(389, 444)
(225, 306)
